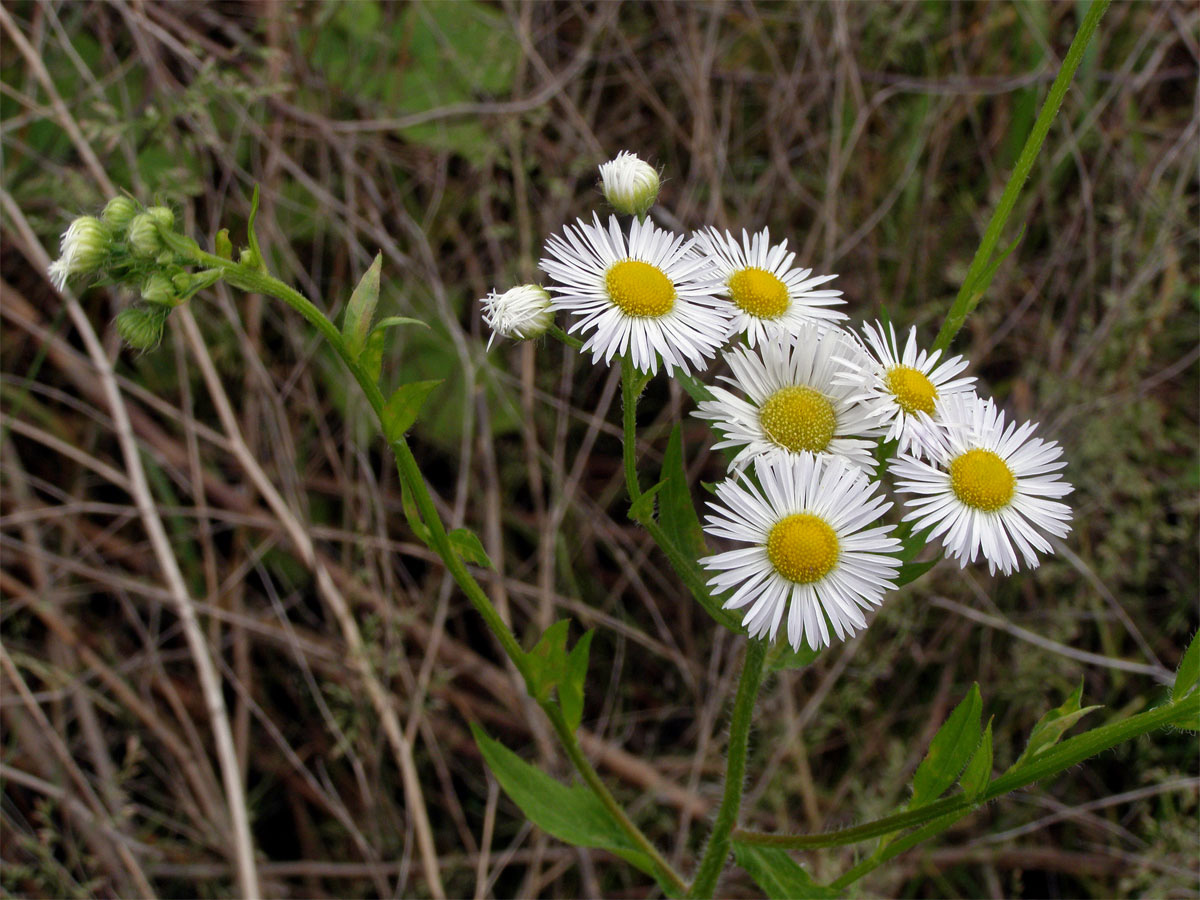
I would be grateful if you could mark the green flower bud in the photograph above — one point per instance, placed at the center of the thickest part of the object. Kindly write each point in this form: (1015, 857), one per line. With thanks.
(182, 282)
(142, 328)
(119, 211)
(84, 250)
(143, 236)
(630, 185)
(160, 290)
(162, 216)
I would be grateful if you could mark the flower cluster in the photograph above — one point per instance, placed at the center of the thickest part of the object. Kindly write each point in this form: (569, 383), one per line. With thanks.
(137, 247)
(813, 415)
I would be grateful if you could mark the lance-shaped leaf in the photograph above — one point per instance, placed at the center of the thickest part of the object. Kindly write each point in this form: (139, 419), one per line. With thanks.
(574, 815)
(782, 656)
(570, 689)
(371, 358)
(356, 324)
(780, 876)
(979, 770)
(1053, 725)
(676, 512)
(949, 750)
(547, 661)
(1188, 672)
(403, 406)
(467, 545)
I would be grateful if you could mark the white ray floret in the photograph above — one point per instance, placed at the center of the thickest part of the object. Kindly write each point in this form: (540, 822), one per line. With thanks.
(988, 488)
(903, 387)
(645, 294)
(519, 313)
(814, 551)
(793, 402)
(766, 294)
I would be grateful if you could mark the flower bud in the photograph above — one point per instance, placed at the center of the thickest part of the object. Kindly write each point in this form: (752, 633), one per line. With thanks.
(162, 216)
(143, 236)
(160, 290)
(84, 249)
(141, 328)
(520, 313)
(119, 211)
(630, 185)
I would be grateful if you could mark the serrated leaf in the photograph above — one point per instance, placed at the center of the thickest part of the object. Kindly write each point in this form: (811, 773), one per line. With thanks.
(403, 406)
(780, 876)
(1188, 672)
(949, 751)
(467, 545)
(978, 773)
(782, 656)
(642, 509)
(356, 323)
(548, 660)
(1053, 725)
(574, 815)
(570, 690)
(676, 512)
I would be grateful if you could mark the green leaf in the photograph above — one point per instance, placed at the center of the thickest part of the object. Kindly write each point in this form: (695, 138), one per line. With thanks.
(222, 246)
(676, 512)
(949, 751)
(371, 358)
(782, 656)
(1053, 725)
(574, 815)
(419, 528)
(696, 388)
(979, 770)
(256, 260)
(911, 571)
(393, 321)
(356, 324)
(467, 545)
(570, 690)
(780, 876)
(1188, 672)
(548, 660)
(642, 509)
(402, 407)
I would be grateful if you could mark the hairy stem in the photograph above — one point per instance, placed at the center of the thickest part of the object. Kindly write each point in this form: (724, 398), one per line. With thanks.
(629, 400)
(712, 864)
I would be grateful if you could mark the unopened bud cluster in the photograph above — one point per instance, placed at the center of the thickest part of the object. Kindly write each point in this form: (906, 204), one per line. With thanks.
(129, 244)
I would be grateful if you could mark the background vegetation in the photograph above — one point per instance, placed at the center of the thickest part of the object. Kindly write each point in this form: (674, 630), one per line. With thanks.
(454, 137)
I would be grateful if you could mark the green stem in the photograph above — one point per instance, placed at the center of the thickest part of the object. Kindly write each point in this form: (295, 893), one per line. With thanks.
(1069, 753)
(258, 282)
(629, 400)
(977, 278)
(555, 332)
(712, 864)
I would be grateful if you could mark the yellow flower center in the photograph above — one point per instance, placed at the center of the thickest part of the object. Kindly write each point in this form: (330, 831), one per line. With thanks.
(912, 390)
(640, 289)
(802, 548)
(798, 418)
(759, 293)
(982, 480)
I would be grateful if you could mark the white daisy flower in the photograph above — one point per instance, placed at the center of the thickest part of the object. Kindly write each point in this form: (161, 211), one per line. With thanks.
(85, 245)
(903, 387)
(793, 404)
(645, 295)
(519, 313)
(811, 551)
(768, 296)
(630, 185)
(989, 487)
